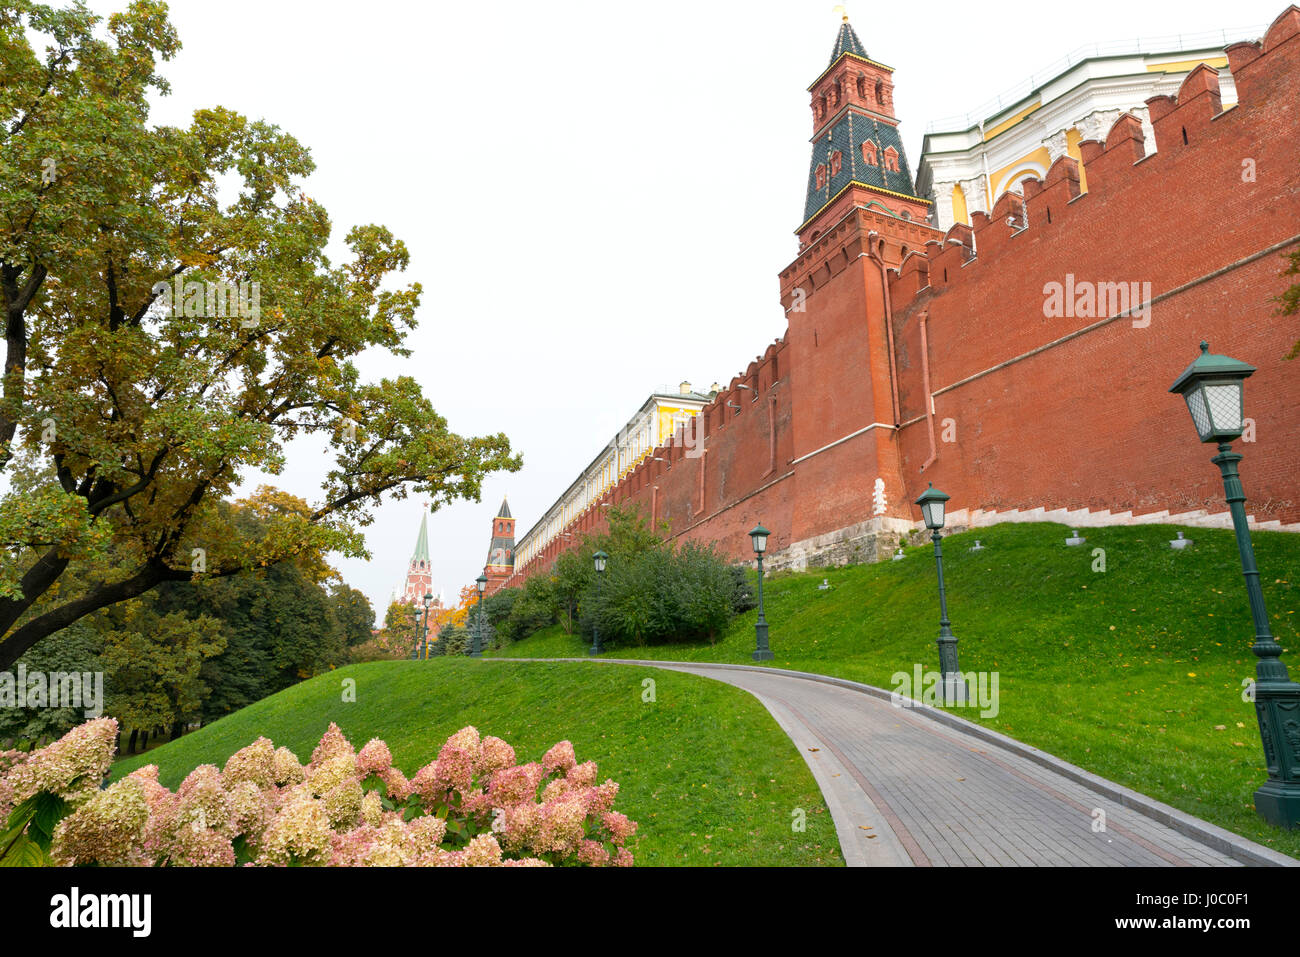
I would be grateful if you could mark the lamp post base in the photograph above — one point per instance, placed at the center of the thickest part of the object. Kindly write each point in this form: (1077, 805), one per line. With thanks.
(1279, 804)
(761, 650)
(952, 688)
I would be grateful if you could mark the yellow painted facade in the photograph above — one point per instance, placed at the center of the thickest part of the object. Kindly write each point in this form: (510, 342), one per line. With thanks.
(1006, 177)
(667, 420)
(1010, 121)
(959, 211)
(1186, 66)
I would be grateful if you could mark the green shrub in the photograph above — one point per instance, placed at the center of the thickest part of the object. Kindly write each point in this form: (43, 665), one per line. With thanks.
(532, 610)
(661, 595)
(497, 606)
(744, 589)
(454, 640)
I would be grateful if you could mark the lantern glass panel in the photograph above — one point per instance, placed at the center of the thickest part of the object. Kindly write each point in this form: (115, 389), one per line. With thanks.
(933, 513)
(1200, 414)
(1224, 403)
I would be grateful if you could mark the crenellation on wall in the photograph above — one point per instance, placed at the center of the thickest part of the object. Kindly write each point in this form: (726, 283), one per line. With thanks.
(1285, 27)
(1241, 55)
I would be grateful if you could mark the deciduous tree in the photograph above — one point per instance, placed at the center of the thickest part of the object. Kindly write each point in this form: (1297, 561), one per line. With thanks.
(171, 319)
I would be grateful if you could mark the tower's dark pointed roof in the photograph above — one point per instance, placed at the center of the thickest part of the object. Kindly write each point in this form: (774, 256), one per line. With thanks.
(505, 510)
(847, 42)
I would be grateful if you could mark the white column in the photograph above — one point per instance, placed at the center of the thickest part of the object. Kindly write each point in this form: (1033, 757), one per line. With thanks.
(976, 194)
(941, 193)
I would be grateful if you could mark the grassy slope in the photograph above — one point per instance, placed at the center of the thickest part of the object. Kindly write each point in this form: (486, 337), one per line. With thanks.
(704, 769)
(1125, 672)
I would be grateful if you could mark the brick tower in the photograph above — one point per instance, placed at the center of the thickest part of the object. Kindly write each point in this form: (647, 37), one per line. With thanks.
(501, 553)
(861, 219)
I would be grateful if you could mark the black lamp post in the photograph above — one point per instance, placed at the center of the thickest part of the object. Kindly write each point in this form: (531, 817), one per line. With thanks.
(758, 535)
(1214, 388)
(477, 647)
(599, 559)
(424, 628)
(932, 512)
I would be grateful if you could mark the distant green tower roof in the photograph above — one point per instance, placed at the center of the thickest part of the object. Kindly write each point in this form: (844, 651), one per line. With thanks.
(422, 543)
(505, 510)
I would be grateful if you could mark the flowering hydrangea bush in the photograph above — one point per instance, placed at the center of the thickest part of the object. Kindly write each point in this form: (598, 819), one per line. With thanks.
(472, 806)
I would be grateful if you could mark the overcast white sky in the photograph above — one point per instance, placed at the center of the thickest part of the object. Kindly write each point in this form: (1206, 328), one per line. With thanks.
(597, 197)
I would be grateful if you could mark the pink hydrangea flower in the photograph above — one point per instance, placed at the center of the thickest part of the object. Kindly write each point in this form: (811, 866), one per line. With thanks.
(560, 757)
(375, 758)
(202, 800)
(424, 834)
(482, 851)
(457, 759)
(601, 799)
(593, 853)
(72, 767)
(105, 829)
(619, 827)
(582, 775)
(288, 769)
(255, 763)
(343, 804)
(250, 810)
(325, 777)
(512, 785)
(372, 808)
(301, 831)
(429, 785)
(493, 755)
(332, 745)
(561, 826)
(399, 789)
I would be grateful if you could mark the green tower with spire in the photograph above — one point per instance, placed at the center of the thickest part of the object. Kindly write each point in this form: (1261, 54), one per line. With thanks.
(419, 574)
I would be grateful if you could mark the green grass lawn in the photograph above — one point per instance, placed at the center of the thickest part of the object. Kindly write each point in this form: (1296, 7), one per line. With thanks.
(705, 770)
(1134, 673)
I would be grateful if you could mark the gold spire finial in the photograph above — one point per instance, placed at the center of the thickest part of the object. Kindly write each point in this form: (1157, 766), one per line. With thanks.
(842, 11)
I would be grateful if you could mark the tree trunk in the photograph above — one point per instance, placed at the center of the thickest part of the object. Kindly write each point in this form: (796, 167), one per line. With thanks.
(130, 747)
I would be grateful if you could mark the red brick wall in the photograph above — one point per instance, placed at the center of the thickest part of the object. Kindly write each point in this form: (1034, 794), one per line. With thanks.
(1087, 422)
(1090, 422)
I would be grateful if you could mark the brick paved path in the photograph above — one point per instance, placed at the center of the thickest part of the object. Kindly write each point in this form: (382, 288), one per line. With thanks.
(906, 789)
